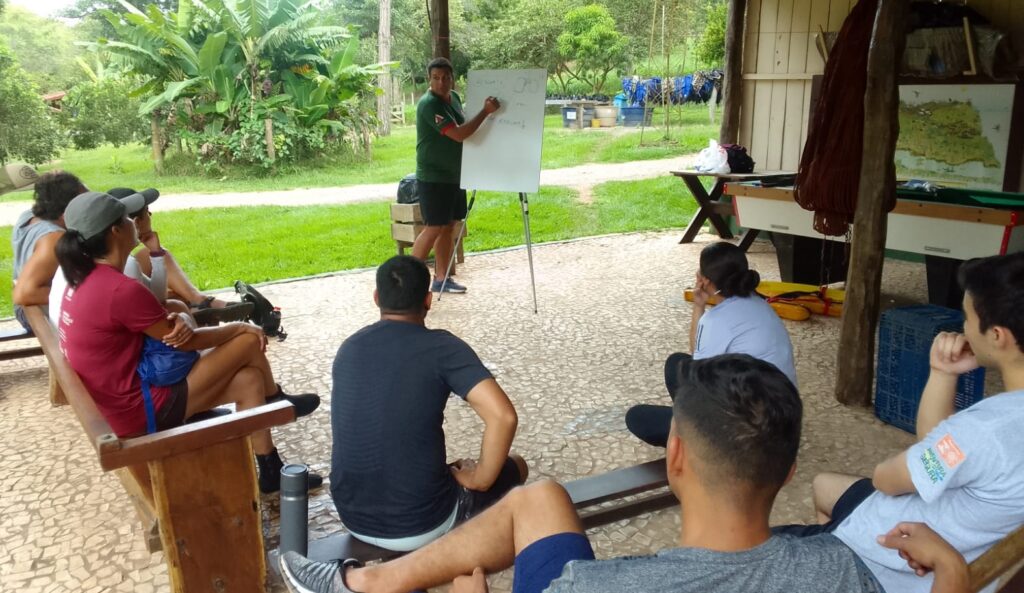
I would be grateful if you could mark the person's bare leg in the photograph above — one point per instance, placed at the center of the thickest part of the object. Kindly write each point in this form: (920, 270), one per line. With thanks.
(178, 282)
(176, 306)
(425, 242)
(215, 368)
(244, 389)
(442, 252)
(827, 487)
(491, 541)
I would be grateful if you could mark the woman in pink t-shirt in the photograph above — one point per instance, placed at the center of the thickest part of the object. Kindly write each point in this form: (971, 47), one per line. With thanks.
(106, 316)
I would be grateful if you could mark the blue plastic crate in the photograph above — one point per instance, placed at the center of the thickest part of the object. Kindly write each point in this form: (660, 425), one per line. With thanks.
(905, 337)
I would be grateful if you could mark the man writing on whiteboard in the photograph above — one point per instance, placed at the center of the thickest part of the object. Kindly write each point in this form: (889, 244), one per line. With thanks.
(441, 127)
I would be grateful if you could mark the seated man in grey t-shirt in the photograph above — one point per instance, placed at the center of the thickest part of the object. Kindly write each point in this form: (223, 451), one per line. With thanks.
(733, 445)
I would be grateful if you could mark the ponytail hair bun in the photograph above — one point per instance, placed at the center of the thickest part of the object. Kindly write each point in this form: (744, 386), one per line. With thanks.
(725, 265)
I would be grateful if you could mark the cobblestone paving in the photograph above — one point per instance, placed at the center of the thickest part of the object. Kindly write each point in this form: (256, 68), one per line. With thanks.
(611, 310)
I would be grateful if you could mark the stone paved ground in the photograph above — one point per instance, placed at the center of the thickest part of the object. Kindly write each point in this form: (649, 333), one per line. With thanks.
(611, 310)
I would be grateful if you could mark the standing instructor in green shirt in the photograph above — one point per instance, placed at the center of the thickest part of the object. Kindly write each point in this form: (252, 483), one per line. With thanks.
(441, 127)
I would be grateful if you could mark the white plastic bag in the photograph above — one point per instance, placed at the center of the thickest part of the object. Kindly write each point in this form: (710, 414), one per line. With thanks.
(713, 159)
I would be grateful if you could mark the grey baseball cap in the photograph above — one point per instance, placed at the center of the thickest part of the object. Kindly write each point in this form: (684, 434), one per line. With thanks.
(93, 212)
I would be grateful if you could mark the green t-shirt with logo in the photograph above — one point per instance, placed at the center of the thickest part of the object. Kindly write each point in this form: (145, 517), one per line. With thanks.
(438, 157)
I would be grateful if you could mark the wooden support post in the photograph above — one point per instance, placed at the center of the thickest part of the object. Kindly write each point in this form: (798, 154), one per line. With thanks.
(855, 368)
(733, 80)
(439, 28)
(215, 540)
(268, 133)
(384, 56)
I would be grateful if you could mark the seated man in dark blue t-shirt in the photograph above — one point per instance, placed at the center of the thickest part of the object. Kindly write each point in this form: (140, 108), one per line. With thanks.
(733, 444)
(390, 479)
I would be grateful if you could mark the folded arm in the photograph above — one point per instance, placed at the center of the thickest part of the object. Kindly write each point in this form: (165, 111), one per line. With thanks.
(33, 285)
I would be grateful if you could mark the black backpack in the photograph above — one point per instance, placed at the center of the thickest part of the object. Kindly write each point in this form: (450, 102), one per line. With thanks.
(264, 314)
(408, 190)
(739, 160)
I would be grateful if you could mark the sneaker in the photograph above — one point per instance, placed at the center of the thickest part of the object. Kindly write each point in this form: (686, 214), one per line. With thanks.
(449, 286)
(303, 575)
(305, 403)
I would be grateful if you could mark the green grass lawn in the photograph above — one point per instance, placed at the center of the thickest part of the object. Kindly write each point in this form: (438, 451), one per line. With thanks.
(272, 243)
(393, 157)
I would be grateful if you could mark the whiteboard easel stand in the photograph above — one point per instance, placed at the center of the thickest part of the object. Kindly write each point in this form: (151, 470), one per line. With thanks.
(524, 203)
(458, 241)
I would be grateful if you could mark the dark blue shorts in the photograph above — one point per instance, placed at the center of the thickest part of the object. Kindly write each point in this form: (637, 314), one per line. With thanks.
(543, 561)
(850, 500)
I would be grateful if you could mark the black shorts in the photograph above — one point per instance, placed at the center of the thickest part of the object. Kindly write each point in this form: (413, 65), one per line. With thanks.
(441, 203)
(472, 502)
(172, 413)
(850, 500)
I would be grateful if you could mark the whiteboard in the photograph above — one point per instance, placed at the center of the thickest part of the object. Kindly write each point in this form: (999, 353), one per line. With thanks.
(504, 153)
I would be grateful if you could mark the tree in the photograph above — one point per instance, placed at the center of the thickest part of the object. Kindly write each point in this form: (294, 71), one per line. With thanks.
(26, 130)
(102, 110)
(591, 45)
(44, 48)
(711, 45)
(527, 37)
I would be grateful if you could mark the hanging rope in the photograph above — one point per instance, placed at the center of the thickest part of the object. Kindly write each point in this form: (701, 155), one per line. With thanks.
(829, 175)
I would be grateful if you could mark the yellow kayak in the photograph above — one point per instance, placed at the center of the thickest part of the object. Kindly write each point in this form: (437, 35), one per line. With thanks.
(795, 301)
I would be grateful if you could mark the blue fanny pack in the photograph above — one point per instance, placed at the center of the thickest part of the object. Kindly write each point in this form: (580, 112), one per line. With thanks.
(161, 365)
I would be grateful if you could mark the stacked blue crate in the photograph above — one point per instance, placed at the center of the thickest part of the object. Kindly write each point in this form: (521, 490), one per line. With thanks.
(905, 337)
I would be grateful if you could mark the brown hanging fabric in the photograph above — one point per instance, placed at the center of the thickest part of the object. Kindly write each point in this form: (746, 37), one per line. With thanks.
(829, 175)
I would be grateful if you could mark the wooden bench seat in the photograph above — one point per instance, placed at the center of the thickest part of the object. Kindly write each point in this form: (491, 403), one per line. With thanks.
(585, 493)
(194, 485)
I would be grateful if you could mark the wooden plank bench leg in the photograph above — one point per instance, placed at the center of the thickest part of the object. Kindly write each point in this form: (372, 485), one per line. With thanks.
(210, 523)
(57, 397)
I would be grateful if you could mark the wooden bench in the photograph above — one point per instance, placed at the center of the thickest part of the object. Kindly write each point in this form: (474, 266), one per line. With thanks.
(193, 486)
(1004, 560)
(406, 224)
(18, 334)
(586, 493)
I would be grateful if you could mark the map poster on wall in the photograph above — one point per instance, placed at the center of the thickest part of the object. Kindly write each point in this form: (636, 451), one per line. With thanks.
(955, 135)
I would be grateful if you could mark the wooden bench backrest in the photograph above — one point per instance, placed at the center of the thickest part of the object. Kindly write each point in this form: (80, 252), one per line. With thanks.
(96, 428)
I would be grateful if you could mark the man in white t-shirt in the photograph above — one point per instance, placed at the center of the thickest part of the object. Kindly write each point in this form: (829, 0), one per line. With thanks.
(965, 476)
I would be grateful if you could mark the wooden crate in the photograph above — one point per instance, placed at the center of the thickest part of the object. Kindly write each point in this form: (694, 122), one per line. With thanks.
(406, 225)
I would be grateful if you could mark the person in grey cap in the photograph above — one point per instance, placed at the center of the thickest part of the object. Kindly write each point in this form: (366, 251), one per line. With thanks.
(156, 268)
(34, 238)
(105, 317)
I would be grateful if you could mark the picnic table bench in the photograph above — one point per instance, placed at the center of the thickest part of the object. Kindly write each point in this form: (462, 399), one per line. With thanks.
(194, 486)
(711, 207)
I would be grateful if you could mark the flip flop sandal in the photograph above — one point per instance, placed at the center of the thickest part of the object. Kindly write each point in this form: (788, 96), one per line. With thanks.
(213, 315)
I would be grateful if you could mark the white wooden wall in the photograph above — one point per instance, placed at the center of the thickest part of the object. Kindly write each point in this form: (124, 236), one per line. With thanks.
(780, 57)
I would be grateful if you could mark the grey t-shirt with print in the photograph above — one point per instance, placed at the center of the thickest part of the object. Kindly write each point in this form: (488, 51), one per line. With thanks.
(783, 564)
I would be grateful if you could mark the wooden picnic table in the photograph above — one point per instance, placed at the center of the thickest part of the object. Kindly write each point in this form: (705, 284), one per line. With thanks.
(712, 207)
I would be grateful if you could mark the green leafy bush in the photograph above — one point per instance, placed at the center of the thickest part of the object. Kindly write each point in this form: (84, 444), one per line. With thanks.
(102, 111)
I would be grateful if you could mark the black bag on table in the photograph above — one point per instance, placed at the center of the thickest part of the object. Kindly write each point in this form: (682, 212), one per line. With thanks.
(739, 160)
(264, 314)
(408, 191)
